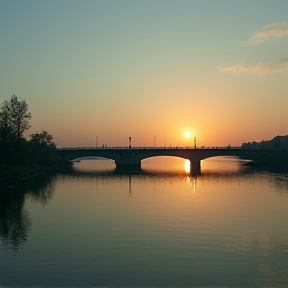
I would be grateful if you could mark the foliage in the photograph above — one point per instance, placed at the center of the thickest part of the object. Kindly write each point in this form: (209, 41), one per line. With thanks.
(42, 138)
(20, 158)
(278, 142)
(6, 131)
(14, 119)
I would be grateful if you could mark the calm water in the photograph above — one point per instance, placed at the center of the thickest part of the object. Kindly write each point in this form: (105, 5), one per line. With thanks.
(160, 227)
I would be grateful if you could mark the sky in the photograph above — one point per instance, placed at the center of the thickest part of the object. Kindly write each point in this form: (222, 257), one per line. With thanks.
(148, 69)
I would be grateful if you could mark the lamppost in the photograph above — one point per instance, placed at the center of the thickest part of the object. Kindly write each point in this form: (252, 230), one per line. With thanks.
(129, 142)
(195, 143)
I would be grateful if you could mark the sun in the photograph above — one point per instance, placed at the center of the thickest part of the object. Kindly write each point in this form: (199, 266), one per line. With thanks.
(187, 134)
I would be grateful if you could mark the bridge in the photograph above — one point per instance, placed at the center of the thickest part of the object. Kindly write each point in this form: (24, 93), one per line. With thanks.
(127, 157)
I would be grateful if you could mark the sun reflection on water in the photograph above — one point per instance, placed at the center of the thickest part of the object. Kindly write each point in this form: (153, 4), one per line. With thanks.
(187, 166)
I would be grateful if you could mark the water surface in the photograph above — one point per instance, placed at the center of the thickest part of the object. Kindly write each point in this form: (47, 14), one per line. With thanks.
(158, 227)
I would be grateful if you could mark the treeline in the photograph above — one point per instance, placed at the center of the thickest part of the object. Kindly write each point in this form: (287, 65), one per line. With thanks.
(21, 157)
(278, 142)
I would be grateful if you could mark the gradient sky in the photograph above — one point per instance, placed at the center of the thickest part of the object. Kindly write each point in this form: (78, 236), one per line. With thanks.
(145, 68)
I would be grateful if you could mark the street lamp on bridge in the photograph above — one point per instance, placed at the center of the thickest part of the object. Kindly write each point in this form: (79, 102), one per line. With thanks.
(129, 142)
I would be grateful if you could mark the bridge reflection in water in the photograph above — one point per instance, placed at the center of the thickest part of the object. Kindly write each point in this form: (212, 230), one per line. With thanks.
(130, 158)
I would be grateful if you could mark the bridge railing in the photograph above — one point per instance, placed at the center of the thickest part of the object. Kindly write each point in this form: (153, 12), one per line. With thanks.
(144, 148)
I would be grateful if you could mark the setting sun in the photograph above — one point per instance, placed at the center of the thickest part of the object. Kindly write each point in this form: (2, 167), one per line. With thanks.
(187, 134)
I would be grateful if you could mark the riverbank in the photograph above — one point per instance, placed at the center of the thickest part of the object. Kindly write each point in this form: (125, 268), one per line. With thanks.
(32, 159)
(11, 176)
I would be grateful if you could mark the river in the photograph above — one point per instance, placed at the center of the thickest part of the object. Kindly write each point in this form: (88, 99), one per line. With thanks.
(94, 226)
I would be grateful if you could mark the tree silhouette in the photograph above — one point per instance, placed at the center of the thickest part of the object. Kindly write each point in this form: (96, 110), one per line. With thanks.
(14, 119)
(20, 117)
(43, 138)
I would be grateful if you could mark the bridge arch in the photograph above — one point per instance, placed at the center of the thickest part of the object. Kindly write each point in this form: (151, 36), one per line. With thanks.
(166, 164)
(90, 158)
(162, 157)
(132, 157)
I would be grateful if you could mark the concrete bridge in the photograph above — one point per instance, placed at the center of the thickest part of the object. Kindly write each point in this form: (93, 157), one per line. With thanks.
(132, 157)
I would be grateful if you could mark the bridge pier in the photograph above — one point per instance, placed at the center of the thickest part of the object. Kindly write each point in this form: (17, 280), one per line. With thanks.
(195, 167)
(127, 160)
(128, 169)
(128, 166)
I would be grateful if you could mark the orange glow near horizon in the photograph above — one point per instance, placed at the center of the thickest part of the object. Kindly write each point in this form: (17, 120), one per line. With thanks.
(79, 132)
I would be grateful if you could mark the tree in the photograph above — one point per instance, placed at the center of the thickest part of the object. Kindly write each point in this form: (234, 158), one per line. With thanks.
(20, 117)
(42, 138)
(5, 123)
(14, 119)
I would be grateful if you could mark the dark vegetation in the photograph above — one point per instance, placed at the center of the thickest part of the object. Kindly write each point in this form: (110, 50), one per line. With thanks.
(278, 142)
(20, 157)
